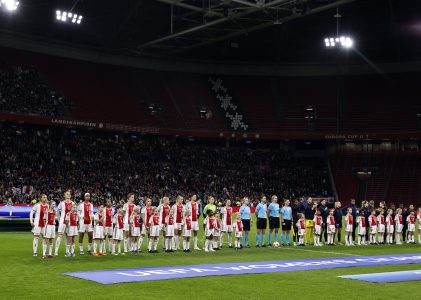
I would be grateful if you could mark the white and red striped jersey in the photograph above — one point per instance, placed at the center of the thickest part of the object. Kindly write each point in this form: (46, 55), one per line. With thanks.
(179, 211)
(372, 220)
(169, 220)
(163, 213)
(238, 226)
(380, 219)
(154, 220)
(99, 219)
(226, 215)
(128, 210)
(410, 219)
(109, 214)
(36, 217)
(210, 223)
(119, 221)
(194, 209)
(301, 224)
(64, 208)
(146, 215)
(389, 220)
(349, 219)
(72, 218)
(217, 224)
(50, 217)
(361, 222)
(330, 220)
(187, 223)
(399, 219)
(135, 220)
(318, 220)
(86, 213)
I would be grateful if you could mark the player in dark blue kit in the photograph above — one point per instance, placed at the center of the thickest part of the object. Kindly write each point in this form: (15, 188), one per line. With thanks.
(338, 220)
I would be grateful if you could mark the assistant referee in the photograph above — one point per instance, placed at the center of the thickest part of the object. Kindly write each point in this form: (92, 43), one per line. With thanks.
(261, 214)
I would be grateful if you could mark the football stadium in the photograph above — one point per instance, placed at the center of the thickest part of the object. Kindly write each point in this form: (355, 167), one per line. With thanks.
(210, 149)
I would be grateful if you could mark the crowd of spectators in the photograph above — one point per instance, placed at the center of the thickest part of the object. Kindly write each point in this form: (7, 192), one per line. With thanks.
(24, 91)
(52, 160)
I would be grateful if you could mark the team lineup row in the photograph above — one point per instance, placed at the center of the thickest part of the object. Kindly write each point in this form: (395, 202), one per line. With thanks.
(131, 224)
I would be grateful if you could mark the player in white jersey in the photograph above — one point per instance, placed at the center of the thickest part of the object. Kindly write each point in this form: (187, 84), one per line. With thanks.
(390, 225)
(238, 227)
(216, 230)
(99, 219)
(331, 227)
(108, 227)
(187, 229)
(410, 220)
(146, 213)
(135, 224)
(163, 210)
(372, 221)
(227, 223)
(50, 230)
(399, 226)
(153, 231)
(362, 228)
(179, 211)
(193, 207)
(86, 216)
(381, 226)
(63, 209)
(118, 235)
(209, 223)
(128, 210)
(37, 220)
(169, 231)
(72, 230)
(349, 221)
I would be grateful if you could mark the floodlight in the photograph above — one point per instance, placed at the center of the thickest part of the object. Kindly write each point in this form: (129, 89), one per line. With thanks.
(67, 17)
(339, 42)
(9, 5)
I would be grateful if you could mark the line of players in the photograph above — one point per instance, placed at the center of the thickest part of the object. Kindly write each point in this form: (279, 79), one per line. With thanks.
(130, 225)
(381, 228)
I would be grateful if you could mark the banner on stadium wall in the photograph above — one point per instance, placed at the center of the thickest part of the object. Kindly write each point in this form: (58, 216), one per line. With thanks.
(299, 135)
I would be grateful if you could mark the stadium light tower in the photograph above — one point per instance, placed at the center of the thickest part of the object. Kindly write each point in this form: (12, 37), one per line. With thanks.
(9, 5)
(338, 41)
(68, 16)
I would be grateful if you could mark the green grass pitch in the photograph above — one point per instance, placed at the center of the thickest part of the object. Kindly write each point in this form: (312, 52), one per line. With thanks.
(27, 277)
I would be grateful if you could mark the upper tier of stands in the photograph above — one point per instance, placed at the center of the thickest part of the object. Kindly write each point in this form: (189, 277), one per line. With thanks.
(355, 104)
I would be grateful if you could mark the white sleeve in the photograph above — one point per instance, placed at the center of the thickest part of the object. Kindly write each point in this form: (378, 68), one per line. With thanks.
(32, 213)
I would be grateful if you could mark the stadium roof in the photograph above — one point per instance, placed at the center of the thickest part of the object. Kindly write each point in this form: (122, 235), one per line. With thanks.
(226, 30)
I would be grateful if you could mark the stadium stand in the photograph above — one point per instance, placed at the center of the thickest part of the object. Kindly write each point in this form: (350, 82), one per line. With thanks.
(53, 159)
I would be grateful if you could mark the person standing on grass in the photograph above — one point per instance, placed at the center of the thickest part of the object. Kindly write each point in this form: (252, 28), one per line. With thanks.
(295, 209)
(286, 221)
(86, 216)
(50, 230)
(338, 220)
(193, 207)
(128, 210)
(179, 211)
(64, 208)
(354, 208)
(261, 214)
(367, 212)
(37, 220)
(324, 212)
(309, 209)
(274, 223)
(245, 214)
(227, 223)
